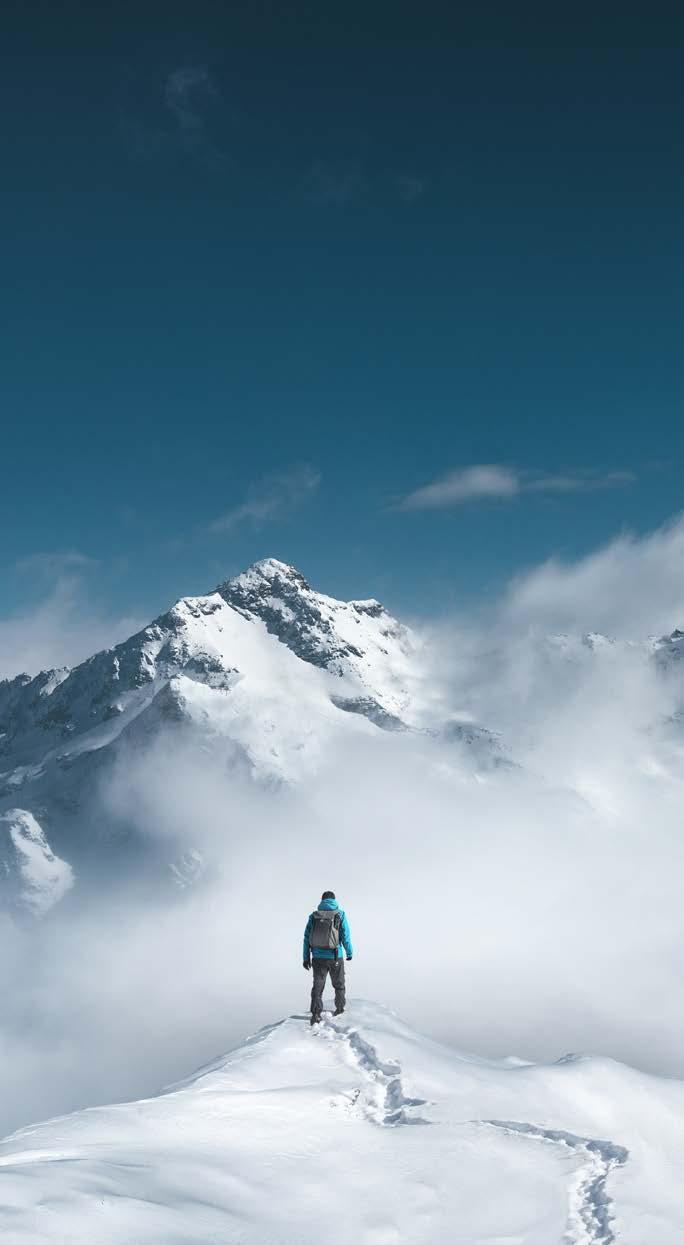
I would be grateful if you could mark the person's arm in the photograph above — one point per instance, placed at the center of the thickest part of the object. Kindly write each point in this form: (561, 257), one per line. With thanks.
(306, 951)
(345, 936)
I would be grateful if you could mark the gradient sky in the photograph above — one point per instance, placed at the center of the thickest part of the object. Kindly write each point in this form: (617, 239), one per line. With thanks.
(270, 272)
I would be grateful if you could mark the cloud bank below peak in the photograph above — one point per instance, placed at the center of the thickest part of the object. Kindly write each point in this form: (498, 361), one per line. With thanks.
(631, 587)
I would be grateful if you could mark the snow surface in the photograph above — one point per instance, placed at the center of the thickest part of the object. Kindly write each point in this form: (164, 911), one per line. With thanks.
(359, 1130)
(355, 640)
(271, 677)
(38, 879)
(265, 674)
(230, 666)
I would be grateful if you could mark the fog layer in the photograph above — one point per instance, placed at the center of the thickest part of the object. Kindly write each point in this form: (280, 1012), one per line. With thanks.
(530, 908)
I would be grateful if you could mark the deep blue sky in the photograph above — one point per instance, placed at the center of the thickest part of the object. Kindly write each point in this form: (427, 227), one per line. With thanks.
(249, 245)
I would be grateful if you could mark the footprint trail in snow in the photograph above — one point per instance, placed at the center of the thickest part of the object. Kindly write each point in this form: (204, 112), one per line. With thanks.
(385, 1102)
(591, 1209)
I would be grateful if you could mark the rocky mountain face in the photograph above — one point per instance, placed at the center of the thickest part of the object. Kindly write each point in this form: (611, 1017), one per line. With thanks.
(345, 637)
(264, 670)
(33, 879)
(264, 673)
(670, 648)
(62, 712)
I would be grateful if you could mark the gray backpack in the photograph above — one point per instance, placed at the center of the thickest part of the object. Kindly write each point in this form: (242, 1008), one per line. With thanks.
(325, 929)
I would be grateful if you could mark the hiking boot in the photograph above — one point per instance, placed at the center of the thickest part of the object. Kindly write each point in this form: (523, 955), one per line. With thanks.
(315, 1020)
(338, 1011)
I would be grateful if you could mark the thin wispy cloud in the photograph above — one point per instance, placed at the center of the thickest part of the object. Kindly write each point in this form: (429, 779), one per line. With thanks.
(189, 92)
(66, 623)
(179, 113)
(56, 564)
(182, 111)
(273, 497)
(579, 483)
(332, 182)
(492, 481)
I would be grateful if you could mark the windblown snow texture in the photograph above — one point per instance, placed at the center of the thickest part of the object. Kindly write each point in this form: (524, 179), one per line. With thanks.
(305, 1134)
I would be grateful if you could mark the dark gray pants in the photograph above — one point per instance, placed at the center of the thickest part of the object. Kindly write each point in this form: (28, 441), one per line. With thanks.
(320, 969)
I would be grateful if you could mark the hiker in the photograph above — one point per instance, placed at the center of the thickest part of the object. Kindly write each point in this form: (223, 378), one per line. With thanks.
(326, 933)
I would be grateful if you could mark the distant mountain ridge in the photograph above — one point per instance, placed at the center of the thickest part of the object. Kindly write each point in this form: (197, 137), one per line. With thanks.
(358, 641)
(263, 667)
(264, 673)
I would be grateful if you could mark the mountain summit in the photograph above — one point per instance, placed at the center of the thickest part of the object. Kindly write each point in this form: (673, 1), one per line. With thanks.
(263, 672)
(264, 676)
(357, 640)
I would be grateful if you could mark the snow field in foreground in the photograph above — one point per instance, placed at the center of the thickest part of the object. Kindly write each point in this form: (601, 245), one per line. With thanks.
(359, 1130)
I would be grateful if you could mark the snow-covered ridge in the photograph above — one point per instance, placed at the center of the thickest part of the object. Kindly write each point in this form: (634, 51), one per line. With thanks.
(33, 877)
(57, 711)
(371, 667)
(264, 673)
(358, 639)
(363, 1130)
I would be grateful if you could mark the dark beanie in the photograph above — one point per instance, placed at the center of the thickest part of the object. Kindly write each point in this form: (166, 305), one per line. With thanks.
(328, 895)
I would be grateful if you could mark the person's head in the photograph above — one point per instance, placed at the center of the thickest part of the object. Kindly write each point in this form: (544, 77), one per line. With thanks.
(328, 895)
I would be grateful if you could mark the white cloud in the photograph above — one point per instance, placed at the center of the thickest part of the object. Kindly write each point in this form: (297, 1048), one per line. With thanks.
(492, 480)
(531, 880)
(556, 887)
(462, 485)
(271, 498)
(631, 587)
(63, 627)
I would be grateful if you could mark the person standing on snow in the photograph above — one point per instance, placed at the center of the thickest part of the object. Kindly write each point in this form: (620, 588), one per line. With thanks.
(326, 933)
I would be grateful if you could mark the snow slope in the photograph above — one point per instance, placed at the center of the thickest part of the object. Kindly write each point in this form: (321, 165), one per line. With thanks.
(359, 1131)
(270, 677)
(264, 673)
(266, 625)
(33, 876)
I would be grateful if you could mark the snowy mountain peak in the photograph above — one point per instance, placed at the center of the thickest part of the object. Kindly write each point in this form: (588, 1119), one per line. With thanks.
(203, 641)
(265, 675)
(319, 629)
(270, 570)
(282, 577)
(375, 657)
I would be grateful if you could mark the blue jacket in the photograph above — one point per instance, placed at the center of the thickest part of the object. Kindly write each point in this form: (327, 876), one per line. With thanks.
(321, 953)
